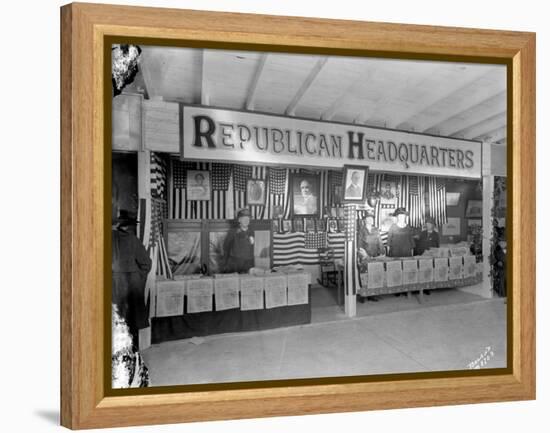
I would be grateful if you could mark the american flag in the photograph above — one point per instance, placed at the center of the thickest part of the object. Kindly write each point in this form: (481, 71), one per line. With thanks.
(158, 176)
(219, 204)
(290, 248)
(277, 179)
(416, 200)
(151, 214)
(276, 194)
(437, 204)
(316, 240)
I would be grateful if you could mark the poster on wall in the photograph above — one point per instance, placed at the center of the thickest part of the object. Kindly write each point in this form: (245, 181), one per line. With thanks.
(452, 228)
(355, 183)
(255, 192)
(198, 185)
(474, 209)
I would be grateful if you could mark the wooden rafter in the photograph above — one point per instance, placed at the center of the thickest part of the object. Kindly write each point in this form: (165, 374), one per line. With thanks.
(291, 108)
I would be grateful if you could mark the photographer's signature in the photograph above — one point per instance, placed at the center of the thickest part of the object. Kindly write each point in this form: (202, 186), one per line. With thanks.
(482, 359)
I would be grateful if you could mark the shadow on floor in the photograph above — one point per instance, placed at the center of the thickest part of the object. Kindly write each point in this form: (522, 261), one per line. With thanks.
(49, 415)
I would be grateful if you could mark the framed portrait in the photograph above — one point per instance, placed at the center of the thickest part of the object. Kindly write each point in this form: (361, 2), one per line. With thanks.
(255, 192)
(337, 194)
(332, 225)
(474, 209)
(275, 226)
(309, 224)
(198, 185)
(355, 183)
(298, 224)
(305, 191)
(388, 194)
(134, 125)
(287, 226)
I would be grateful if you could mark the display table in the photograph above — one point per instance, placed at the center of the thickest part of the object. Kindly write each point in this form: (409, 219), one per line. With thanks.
(236, 303)
(397, 275)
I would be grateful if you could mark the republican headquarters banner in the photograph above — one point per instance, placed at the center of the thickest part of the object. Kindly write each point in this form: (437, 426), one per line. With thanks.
(229, 135)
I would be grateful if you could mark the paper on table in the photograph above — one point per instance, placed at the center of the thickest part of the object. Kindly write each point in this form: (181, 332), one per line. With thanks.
(441, 269)
(199, 295)
(425, 270)
(394, 274)
(252, 293)
(470, 266)
(226, 291)
(410, 272)
(375, 275)
(298, 288)
(170, 295)
(455, 268)
(275, 291)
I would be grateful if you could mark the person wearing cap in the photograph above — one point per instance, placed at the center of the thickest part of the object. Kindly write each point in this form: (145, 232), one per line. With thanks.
(369, 245)
(238, 246)
(400, 236)
(428, 238)
(130, 266)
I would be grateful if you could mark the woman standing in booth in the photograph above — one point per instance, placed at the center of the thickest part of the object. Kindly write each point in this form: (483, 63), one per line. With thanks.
(369, 245)
(400, 235)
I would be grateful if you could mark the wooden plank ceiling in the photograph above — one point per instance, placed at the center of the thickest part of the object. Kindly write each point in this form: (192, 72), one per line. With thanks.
(442, 98)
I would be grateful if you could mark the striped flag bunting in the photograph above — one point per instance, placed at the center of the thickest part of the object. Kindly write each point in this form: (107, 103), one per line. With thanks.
(221, 174)
(278, 180)
(437, 205)
(417, 203)
(158, 175)
(290, 248)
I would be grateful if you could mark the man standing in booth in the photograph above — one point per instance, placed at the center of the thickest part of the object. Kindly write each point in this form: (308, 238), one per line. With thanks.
(238, 246)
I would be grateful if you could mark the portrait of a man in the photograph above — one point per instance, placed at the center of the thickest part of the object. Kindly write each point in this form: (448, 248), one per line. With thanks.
(198, 185)
(305, 191)
(355, 183)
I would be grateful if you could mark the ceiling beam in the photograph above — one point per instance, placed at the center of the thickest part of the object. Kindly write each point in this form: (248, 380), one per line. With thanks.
(470, 94)
(251, 96)
(205, 85)
(483, 127)
(470, 116)
(444, 81)
(417, 73)
(493, 136)
(291, 108)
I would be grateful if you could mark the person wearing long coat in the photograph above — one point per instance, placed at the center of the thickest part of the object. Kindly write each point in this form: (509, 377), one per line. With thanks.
(130, 265)
(238, 246)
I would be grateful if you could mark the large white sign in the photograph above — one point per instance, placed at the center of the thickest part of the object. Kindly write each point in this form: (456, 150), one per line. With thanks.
(227, 135)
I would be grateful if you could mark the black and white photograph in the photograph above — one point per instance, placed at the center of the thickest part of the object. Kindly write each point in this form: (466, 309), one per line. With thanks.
(198, 185)
(255, 192)
(282, 216)
(305, 194)
(355, 184)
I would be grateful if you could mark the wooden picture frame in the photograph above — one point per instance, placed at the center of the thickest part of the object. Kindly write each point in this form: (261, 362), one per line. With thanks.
(198, 185)
(86, 398)
(255, 192)
(354, 190)
(304, 206)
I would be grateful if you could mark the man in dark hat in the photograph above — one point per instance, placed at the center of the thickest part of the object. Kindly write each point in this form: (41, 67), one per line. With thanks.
(400, 235)
(428, 238)
(238, 246)
(130, 266)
